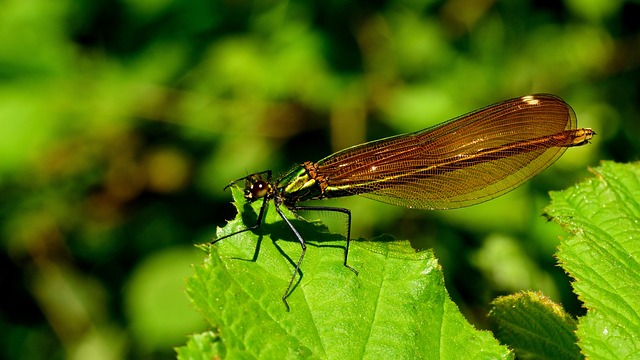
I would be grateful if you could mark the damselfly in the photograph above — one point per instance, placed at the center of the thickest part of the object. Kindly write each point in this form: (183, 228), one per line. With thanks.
(464, 161)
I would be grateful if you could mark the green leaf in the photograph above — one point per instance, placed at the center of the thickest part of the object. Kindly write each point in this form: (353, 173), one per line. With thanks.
(205, 346)
(535, 326)
(602, 255)
(397, 307)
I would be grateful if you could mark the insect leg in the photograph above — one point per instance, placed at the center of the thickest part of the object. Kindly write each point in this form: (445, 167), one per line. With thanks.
(263, 210)
(344, 211)
(304, 250)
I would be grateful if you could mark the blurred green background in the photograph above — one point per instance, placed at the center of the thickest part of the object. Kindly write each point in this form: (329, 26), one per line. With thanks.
(123, 120)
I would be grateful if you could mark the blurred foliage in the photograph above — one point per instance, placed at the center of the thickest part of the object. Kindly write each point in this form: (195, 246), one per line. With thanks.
(122, 121)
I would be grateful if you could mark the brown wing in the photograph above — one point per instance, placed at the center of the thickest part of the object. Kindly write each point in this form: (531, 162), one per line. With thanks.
(464, 161)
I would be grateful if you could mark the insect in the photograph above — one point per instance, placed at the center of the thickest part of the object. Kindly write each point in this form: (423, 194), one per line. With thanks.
(464, 161)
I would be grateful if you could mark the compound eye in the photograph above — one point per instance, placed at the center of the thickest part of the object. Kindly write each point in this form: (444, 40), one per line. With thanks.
(259, 189)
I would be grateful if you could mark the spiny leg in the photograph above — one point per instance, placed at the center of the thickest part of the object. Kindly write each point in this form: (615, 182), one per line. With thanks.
(304, 250)
(263, 210)
(344, 211)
